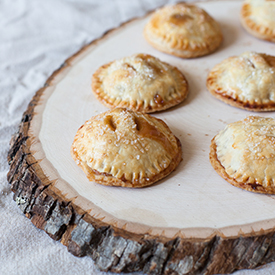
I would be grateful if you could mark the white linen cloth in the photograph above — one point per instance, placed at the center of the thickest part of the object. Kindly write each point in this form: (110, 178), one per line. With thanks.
(35, 38)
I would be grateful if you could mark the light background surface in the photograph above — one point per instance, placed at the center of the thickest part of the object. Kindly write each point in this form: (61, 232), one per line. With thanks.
(35, 39)
(194, 196)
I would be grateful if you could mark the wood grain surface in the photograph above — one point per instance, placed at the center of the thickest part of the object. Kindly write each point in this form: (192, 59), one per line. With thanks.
(115, 244)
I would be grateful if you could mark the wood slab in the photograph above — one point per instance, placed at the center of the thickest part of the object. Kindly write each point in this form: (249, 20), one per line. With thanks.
(192, 222)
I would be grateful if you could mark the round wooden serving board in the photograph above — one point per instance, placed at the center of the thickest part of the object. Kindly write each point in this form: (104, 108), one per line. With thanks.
(191, 222)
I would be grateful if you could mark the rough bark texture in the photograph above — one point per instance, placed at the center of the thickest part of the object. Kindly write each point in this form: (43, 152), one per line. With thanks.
(114, 249)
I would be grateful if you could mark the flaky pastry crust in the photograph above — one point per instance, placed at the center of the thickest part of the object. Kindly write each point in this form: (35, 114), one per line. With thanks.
(125, 148)
(246, 81)
(140, 82)
(183, 30)
(258, 18)
(244, 154)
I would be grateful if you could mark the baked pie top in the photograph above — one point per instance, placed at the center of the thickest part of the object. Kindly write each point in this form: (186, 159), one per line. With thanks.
(183, 30)
(258, 18)
(140, 82)
(124, 148)
(246, 81)
(246, 151)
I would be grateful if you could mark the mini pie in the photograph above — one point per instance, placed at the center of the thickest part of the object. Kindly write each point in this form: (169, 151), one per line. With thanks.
(258, 18)
(140, 82)
(244, 154)
(246, 81)
(183, 30)
(125, 148)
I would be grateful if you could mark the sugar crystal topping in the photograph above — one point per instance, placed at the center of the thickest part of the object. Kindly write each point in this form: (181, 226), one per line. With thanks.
(247, 77)
(246, 149)
(139, 77)
(125, 144)
(262, 12)
(188, 20)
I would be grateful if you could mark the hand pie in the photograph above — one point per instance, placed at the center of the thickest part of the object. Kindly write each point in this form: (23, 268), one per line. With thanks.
(244, 154)
(183, 30)
(140, 82)
(124, 148)
(246, 81)
(258, 18)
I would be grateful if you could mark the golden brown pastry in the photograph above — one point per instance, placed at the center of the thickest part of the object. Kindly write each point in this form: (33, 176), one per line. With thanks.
(246, 81)
(125, 148)
(258, 18)
(183, 30)
(244, 154)
(140, 82)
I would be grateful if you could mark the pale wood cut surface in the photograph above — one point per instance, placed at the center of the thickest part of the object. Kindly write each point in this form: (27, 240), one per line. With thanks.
(113, 248)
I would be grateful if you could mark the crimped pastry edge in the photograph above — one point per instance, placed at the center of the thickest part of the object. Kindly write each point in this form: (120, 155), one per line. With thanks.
(221, 94)
(109, 180)
(218, 167)
(139, 106)
(253, 28)
(186, 52)
(182, 48)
